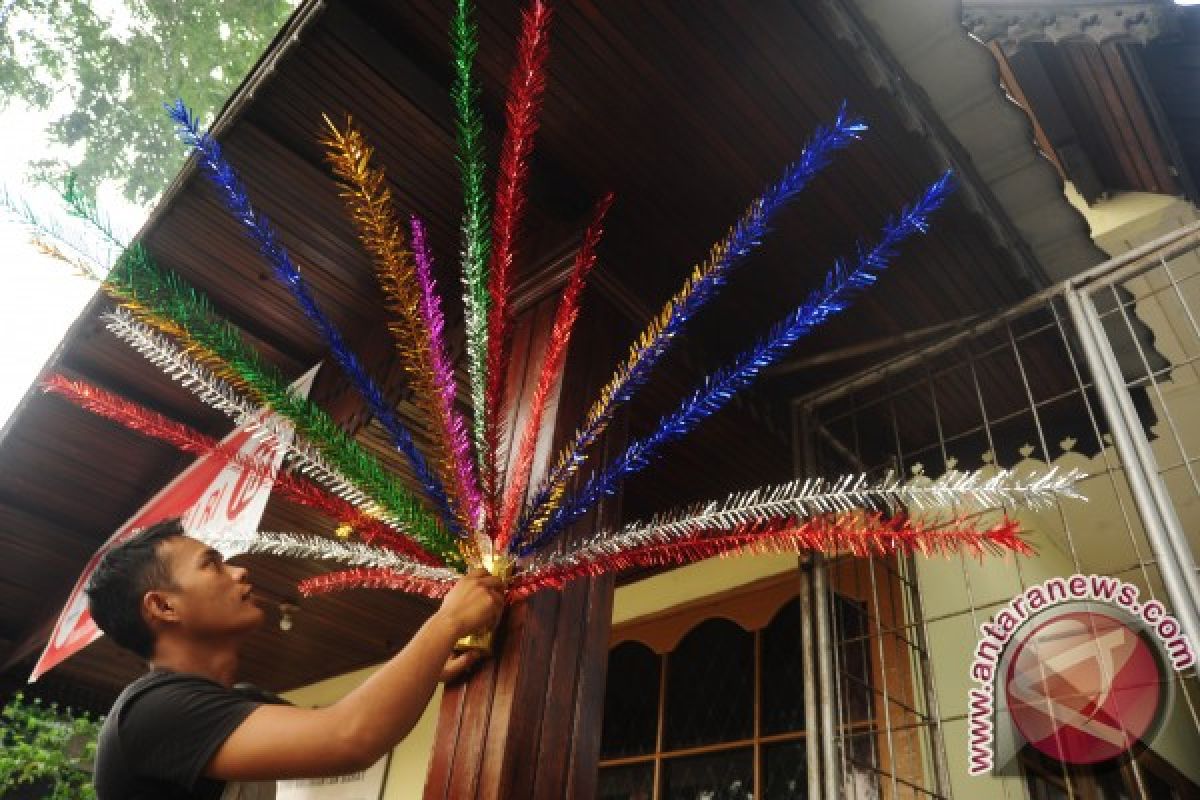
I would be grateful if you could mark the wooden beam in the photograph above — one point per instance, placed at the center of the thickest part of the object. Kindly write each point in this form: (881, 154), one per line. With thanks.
(527, 724)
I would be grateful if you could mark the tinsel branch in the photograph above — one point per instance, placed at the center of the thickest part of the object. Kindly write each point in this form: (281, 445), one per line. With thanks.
(364, 475)
(163, 300)
(214, 392)
(526, 87)
(186, 343)
(319, 548)
(475, 238)
(552, 367)
(367, 578)
(229, 186)
(417, 322)
(442, 370)
(702, 285)
(371, 530)
(130, 415)
(815, 497)
(178, 363)
(133, 261)
(83, 207)
(840, 285)
(54, 250)
(294, 488)
(860, 533)
(53, 239)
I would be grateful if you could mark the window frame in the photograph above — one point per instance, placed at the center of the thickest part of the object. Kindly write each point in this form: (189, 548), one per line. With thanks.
(752, 607)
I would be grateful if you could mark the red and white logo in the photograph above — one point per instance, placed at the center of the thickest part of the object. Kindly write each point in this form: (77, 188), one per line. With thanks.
(1084, 687)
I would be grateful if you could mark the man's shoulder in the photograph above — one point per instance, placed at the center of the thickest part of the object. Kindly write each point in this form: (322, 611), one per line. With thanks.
(158, 681)
(162, 730)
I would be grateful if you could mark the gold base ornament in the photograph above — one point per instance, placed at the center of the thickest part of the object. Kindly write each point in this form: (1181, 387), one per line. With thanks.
(481, 641)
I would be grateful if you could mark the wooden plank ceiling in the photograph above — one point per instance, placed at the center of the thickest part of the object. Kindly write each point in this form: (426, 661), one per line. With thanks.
(684, 111)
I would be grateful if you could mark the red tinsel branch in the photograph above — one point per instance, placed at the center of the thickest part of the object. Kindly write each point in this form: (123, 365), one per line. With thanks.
(373, 578)
(527, 84)
(552, 365)
(860, 534)
(295, 488)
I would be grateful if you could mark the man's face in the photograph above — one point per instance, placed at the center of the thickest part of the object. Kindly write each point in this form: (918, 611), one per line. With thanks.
(209, 597)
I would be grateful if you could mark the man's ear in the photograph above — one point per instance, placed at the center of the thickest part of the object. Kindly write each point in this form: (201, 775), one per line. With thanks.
(158, 607)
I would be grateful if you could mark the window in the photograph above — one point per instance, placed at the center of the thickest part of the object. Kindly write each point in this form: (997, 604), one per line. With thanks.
(1151, 779)
(719, 713)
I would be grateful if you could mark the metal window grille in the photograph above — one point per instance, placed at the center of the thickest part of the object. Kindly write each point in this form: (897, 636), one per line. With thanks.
(1099, 373)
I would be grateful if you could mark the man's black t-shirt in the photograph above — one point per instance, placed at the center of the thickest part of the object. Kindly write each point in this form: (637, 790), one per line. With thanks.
(160, 735)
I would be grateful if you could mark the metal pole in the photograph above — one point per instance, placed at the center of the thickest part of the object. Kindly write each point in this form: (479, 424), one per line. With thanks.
(1166, 536)
(937, 742)
(812, 714)
(824, 710)
(825, 679)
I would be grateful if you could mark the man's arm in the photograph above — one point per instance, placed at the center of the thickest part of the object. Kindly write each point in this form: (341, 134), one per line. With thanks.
(277, 742)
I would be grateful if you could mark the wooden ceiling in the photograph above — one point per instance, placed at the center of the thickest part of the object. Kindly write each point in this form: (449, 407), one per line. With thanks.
(685, 111)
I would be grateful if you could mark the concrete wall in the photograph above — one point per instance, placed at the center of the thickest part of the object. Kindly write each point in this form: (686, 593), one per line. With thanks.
(410, 758)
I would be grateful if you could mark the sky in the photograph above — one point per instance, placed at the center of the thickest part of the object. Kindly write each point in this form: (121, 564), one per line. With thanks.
(39, 296)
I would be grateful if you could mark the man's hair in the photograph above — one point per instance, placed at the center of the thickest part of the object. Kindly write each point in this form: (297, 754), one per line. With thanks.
(123, 577)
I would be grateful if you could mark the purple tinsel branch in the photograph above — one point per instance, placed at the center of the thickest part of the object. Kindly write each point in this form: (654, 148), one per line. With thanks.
(430, 309)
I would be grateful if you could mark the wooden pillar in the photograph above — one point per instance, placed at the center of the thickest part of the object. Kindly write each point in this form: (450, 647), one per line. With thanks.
(527, 724)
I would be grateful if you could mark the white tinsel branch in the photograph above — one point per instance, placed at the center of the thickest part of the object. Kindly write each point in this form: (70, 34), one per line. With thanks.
(355, 554)
(163, 353)
(953, 492)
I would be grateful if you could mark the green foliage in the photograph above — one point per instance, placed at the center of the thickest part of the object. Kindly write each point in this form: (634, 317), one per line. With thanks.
(118, 79)
(44, 743)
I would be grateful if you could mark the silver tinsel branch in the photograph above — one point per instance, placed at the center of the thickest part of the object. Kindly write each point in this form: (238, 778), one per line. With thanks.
(959, 492)
(163, 353)
(355, 554)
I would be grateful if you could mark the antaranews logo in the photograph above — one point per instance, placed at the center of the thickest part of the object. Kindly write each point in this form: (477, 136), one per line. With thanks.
(1079, 668)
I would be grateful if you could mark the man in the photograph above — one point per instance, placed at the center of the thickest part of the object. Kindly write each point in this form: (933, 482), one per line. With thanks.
(181, 731)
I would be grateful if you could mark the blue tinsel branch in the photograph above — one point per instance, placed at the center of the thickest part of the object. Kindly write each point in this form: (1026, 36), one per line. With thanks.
(840, 285)
(258, 228)
(746, 235)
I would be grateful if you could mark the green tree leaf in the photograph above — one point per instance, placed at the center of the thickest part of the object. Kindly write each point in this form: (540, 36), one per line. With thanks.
(46, 743)
(118, 80)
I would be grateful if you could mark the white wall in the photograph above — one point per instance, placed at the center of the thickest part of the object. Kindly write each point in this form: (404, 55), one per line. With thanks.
(410, 758)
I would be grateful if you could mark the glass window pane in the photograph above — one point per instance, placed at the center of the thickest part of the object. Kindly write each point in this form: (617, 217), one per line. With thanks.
(714, 776)
(785, 771)
(631, 782)
(782, 673)
(631, 701)
(854, 655)
(710, 686)
(861, 748)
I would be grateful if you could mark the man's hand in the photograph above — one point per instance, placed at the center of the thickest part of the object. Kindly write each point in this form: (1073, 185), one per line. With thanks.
(459, 665)
(474, 604)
